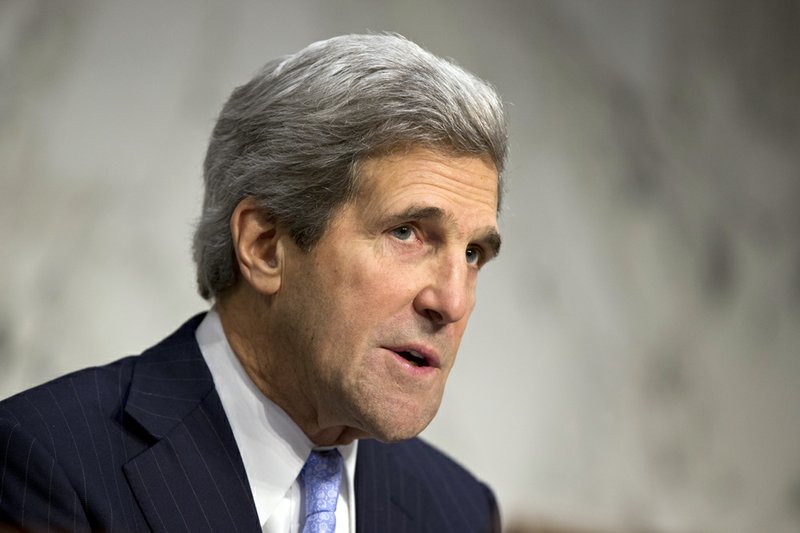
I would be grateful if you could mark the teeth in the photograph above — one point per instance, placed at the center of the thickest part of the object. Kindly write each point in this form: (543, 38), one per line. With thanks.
(416, 355)
(415, 358)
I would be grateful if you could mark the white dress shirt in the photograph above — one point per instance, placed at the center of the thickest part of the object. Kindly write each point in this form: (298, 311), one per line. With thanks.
(273, 448)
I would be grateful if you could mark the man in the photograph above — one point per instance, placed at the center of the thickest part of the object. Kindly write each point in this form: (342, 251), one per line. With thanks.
(351, 199)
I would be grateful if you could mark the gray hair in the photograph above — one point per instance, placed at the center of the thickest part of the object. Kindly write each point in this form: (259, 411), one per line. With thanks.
(293, 137)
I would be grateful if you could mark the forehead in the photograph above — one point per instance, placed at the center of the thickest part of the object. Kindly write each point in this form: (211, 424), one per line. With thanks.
(429, 176)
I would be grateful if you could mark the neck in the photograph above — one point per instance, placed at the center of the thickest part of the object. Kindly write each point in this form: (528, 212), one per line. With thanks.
(275, 372)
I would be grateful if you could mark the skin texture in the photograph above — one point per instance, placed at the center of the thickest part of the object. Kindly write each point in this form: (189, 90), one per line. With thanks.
(318, 332)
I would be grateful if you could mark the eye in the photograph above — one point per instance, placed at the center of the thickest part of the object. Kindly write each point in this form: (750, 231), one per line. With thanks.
(474, 255)
(402, 233)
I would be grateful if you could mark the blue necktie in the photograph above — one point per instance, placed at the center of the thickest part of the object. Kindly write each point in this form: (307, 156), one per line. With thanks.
(321, 477)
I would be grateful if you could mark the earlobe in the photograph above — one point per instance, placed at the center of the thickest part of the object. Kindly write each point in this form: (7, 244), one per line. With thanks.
(258, 246)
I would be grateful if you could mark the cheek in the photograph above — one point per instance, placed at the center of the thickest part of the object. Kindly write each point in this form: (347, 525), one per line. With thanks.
(366, 293)
(369, 283)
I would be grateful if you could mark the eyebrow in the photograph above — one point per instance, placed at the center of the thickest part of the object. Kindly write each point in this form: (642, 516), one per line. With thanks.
(489, 236)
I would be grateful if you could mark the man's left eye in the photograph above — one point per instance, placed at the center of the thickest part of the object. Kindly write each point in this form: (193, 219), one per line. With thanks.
(473, 255)
(402, 233)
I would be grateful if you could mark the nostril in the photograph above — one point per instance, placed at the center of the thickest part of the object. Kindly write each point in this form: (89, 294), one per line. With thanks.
(435, 316)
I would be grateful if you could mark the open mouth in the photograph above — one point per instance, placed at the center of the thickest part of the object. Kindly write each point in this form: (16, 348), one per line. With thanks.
(413, 357)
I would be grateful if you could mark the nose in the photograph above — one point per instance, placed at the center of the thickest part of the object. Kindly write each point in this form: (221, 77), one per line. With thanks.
(449, 294)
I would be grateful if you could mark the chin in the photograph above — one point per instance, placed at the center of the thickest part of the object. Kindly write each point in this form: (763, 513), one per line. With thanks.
(402, 426)
(395, 436)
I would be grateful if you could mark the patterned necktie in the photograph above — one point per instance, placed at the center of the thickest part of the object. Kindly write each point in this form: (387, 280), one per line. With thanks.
(321, 476)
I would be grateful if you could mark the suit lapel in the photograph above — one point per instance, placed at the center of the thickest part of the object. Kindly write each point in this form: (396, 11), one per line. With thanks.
(192, 477)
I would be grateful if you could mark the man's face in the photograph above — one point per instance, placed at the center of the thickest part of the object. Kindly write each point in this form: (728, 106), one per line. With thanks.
(374, 314)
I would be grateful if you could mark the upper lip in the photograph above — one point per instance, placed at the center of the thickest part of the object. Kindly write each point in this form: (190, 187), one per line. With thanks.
(429, 354)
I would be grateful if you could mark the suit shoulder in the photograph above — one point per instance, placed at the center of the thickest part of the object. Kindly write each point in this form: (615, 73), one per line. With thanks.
(422, 458)
(424, 462)
(80, 394)
(454, 499)
(96, 388)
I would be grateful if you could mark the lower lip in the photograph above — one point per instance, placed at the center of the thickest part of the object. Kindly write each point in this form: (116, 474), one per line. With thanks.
(411, 368)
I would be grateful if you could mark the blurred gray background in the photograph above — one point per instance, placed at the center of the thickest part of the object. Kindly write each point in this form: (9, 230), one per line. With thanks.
(634, 360)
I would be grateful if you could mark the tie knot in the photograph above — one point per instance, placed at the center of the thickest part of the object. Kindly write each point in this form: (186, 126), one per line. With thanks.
(321, 477)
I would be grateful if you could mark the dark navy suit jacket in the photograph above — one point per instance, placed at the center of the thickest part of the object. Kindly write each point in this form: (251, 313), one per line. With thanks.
(143, 444)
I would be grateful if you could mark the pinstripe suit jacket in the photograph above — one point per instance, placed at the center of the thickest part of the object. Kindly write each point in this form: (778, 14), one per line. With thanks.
(143, 444)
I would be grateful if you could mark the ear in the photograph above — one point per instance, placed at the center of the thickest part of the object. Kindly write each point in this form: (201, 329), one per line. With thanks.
(258, 244)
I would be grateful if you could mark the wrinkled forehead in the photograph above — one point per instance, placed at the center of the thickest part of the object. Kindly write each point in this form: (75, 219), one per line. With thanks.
(457, 184)
(361, 178)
